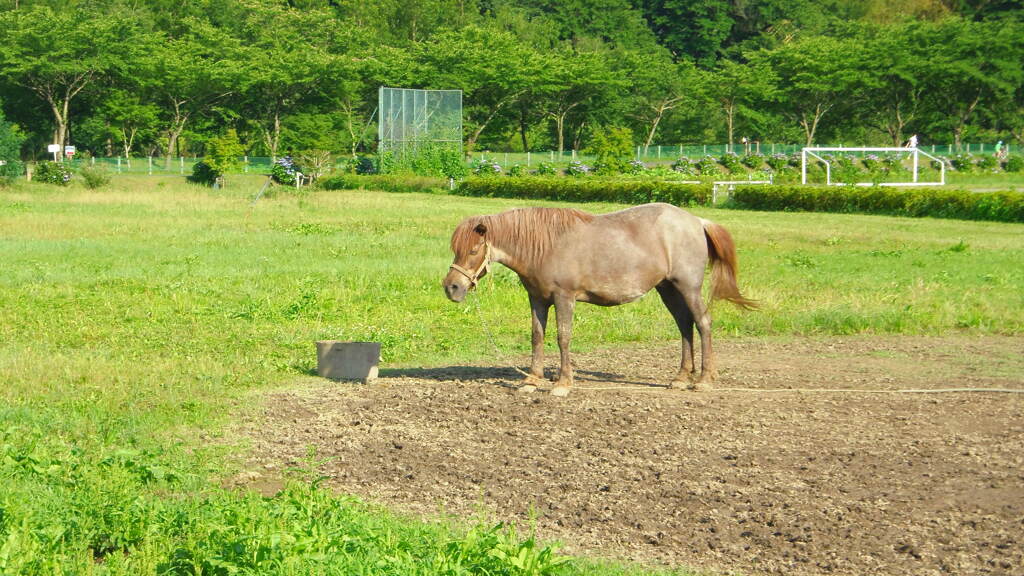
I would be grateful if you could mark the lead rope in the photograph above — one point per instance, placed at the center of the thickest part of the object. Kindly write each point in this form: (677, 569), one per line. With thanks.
(490, 335)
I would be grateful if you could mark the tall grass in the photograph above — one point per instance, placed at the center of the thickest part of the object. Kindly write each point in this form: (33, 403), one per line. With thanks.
(134, 317)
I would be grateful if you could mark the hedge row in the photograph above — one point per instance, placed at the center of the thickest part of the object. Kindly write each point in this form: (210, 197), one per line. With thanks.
(914, 202)
(587, 190)
(385, 182)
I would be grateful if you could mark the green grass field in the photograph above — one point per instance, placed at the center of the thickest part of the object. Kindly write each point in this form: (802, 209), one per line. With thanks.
(137, 319)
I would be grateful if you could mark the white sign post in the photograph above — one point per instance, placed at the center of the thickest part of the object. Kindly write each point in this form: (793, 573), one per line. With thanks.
(69, 151)
(53, 149)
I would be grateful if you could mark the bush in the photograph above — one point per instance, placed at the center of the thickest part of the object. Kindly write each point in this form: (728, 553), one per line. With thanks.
(11, 140)
(708, 166)
(612, 148)
(962, 163)
(587, 190)
(635, 168)
(777, 161)
(95, 177)
(427, 159)
(914, 202)
(517, 170)
(203, 173)
(384, 182)
(731, 162)
(988, 163)
(1015, 164)
(546, 169)
(753, 161)
(684, 166)
(577, 168)
(484, 167)
(52, 172)
(283, 171)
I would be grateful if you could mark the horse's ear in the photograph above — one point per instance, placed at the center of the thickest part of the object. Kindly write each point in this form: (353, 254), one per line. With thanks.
(481, 229)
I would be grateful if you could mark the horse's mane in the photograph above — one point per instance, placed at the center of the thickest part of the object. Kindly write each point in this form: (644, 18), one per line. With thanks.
(525, 233)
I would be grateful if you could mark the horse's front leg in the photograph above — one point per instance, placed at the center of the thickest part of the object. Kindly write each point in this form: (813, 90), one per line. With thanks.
(539, 322)
(564, 306)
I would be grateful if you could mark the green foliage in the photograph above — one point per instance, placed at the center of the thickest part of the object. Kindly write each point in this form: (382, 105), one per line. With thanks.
(708, 166)
(587, 190)
(485, 168)
(753, 161)
(1015, 163)
(684, 166)
(963, 163)
(612, 148)
(224, 153)
(546, 169)
(283, 171)
(988, 163)
(914, 202)
(731, 162)
(94, 177)
(203, 173)
(426, 159)
(11, 140)
(52, 172)
(385, 182)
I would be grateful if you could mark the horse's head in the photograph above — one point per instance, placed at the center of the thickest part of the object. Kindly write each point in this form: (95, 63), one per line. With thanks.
(471, 263)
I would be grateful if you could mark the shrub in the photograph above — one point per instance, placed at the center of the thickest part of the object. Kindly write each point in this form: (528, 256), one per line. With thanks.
(872, 163)
(577, 168)
(587, 190)
(517, 170)
(360, 165)
(95, 177)
(731, 162)
(962, 163)
(753, 161)
(222, 154)
(914, 202)
(612, 148)
(988, 163)
(635, 167)
(777, 161)
(203, 173)
(546, 169)
(1015, 164)
(283, 171)
(52, 172)
(684, 166)
(708, 166)
(484, 167)
(385, 182)
(11, 140)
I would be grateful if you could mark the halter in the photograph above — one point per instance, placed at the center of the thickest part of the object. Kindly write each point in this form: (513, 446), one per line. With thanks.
(485, 265)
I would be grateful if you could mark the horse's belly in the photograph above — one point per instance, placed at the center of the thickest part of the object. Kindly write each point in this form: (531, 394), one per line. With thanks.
(610, 297)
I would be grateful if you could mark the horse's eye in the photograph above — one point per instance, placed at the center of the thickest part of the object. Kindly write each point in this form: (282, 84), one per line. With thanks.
(473, 252)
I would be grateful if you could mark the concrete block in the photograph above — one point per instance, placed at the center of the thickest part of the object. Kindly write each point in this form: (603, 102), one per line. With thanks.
(339, 360)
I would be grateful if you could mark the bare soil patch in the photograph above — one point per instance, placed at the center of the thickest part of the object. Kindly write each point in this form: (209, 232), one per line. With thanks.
(759, 482)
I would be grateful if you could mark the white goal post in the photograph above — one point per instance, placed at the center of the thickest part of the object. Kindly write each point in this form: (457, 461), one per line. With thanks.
(916, 153)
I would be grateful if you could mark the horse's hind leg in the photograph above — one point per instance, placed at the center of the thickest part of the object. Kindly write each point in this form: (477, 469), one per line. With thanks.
(695, 303)
(675, 303)
(539, 323)
(564, 307)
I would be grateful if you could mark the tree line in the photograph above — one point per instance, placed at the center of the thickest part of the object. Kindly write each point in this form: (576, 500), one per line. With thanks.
(162, 77)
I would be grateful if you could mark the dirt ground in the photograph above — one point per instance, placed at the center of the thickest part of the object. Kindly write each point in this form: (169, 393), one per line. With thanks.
(767, 481)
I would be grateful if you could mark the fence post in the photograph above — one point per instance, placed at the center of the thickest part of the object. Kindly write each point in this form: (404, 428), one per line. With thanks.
(553, 155)
(118, 164)
(506, 160)
(659, 152)
(705, 149)
(92, 161)
(181, 163)
(573, 153)
(150, 165)
(637, 153)
(968, 147)
(245, 164)
(527, 158)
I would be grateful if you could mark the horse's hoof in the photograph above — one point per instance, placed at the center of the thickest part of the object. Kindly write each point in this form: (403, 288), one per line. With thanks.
(560, 391)
(699, 386)
(527, 388)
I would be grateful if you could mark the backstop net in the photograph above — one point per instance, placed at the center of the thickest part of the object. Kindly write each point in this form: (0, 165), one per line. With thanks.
(419, 122)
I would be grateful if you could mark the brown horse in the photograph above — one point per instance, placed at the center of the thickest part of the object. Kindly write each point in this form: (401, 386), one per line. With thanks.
(564, 256)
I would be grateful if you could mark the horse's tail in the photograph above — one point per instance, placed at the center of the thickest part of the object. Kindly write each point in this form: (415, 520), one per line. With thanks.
(724, 267)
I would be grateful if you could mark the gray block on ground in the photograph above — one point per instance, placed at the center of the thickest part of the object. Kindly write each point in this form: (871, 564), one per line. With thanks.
(339, 360)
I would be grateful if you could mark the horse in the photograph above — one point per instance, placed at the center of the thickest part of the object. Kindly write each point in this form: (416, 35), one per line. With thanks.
(564, 256)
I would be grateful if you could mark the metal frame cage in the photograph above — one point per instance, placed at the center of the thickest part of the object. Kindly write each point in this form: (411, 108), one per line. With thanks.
(411, 119)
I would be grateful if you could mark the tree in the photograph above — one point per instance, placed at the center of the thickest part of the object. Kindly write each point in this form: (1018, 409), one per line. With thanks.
(10, 150)
(57, 55)
(658, 86)
(287, 62)
(191, 73)
(814, 76)
(738, 89)
(490, 67)
(574, 79)
(693, 28)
